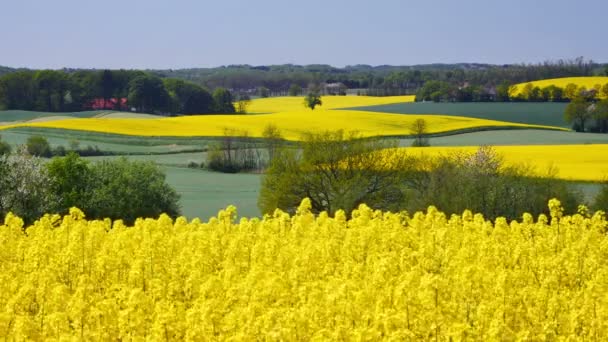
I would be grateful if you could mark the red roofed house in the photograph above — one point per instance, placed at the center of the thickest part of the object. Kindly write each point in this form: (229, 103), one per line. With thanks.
(111, 104)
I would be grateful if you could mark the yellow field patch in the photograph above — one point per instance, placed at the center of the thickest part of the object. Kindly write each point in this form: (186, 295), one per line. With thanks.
(574, 162)
(587, 82)
(296, 103)
(291, 124)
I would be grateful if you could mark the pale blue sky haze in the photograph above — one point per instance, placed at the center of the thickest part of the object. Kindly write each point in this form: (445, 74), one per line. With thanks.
(188, 33)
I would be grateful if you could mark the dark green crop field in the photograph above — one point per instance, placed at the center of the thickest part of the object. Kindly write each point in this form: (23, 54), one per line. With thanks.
(550, 114)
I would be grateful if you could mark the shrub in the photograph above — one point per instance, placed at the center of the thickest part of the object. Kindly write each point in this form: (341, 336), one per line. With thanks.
(25, 184)
(38, 146)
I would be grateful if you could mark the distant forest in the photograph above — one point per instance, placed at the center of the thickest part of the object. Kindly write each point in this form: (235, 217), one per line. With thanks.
(207, 90)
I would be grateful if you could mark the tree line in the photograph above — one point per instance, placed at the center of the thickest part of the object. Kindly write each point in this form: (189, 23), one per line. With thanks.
(70, 91)
(371, 80)
(382, 80)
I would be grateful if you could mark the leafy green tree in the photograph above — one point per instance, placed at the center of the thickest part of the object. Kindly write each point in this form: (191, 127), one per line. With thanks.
(553, 93)
(336, 171)
(273, 139)
(52, 87)
(530, 92)
(502, 92)
(71, 182)
(38, 146)
(571, 91)
(313, 99)
(243, 103)
(18, 91)
(601, 200)
(123, 189)
(604, 90)
(25, 185)
(435, 91)
(147, 93)
(577, 113)
(222, 99)
(106, 85)
(482, 182)
(5, 148)
(295, 90)
(263, 92)
(600, 114)
(419, 129)
(187, 97)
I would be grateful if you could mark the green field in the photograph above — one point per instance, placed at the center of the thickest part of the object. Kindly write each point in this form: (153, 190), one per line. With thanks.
(204, 193)
(25, 115)
(515, 137)
(120, 144)
(549, 113)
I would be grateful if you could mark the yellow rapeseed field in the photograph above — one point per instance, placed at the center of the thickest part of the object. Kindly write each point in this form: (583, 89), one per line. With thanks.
(573, 162)
(291, 103)
(587, 82)
(375, 276)
(291, 124)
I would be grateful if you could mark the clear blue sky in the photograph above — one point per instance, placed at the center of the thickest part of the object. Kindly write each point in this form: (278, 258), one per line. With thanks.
(191, 33)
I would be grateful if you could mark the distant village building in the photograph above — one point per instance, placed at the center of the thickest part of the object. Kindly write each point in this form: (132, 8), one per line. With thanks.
(109, 104)
(337, 88)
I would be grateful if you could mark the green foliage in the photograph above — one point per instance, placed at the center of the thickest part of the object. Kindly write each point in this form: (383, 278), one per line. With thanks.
(481, 182)
(71, 182)
(295, 90)
(235, 152)
(578, 113)
(123, 189)
(5, 148)
(436, 91)
(336, 171)
(600, 114)
(419, 129)
(571, 91)
(263, 92)
(502, 92)
(118, 189)
(243, 103)
(25, 185)
(148, 94)
(313, 99)
(273, 139)
(38, 146)
(187, 97)
(222, 99)
(604, 90)
(601, 200)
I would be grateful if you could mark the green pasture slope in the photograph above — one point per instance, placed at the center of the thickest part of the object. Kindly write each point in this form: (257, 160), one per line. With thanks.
(115, 143)
(548, 114)
(515, 137)
(204, 193)
(25, 115)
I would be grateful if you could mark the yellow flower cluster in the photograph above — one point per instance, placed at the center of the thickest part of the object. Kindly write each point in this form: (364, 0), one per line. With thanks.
(572, 162)
(291, 124)
(375, 275)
